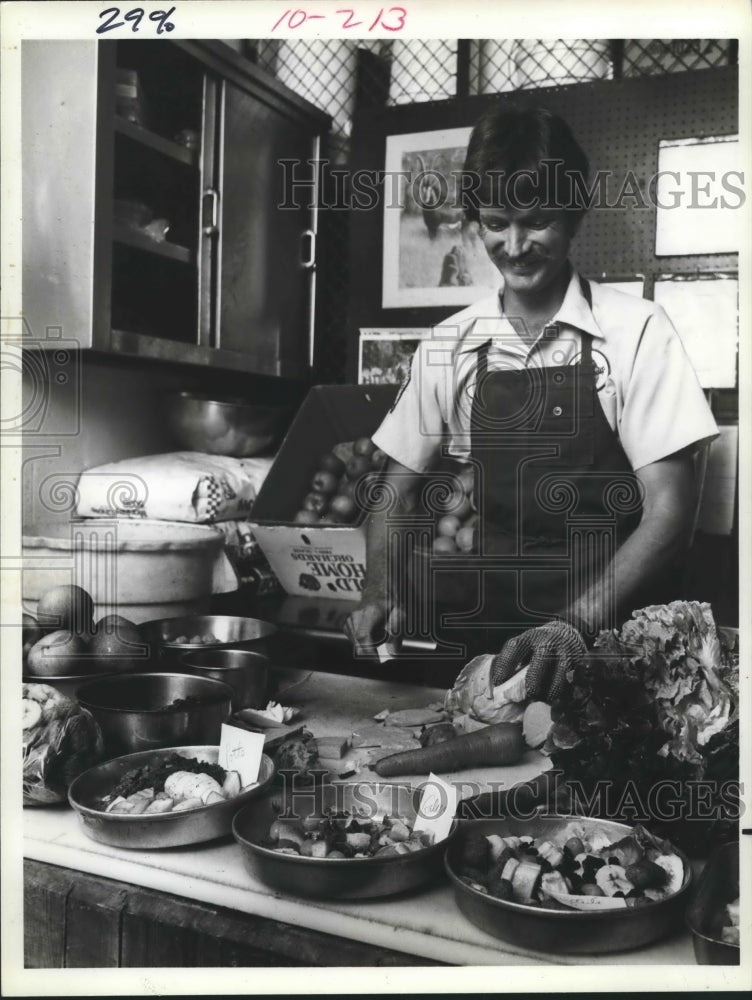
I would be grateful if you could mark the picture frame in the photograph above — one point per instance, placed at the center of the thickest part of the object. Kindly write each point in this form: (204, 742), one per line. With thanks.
(384, 355)
(432, 256)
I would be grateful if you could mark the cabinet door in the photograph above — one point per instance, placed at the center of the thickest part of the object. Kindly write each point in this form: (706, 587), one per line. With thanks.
(265, 291)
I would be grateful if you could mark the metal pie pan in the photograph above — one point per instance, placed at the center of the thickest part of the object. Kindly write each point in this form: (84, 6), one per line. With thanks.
(558, 931)
(160, 829)
(347, 878)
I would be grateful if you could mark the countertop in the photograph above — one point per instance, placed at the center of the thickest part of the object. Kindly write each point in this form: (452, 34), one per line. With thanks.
(425, 924)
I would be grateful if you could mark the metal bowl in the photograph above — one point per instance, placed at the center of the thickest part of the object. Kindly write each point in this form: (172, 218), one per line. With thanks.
(162, 829)
(133, 714)
(68, 686)
(232, 631)
(245, 670)
(717, 886)
(223, 427)
(347, 878)
(558, 931)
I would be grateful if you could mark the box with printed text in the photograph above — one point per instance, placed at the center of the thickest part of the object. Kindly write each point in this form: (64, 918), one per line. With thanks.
(317, 560)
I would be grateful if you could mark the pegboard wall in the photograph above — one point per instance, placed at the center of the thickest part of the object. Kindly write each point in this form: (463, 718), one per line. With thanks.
(619, 123)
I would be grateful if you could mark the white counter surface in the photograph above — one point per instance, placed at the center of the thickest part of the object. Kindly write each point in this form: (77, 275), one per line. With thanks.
(427, 923)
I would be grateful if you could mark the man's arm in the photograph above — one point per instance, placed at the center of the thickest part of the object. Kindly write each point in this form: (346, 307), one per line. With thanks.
(669, 503)
(366, 626)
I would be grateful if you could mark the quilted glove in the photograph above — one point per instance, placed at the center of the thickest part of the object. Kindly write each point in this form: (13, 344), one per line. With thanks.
(548, 651)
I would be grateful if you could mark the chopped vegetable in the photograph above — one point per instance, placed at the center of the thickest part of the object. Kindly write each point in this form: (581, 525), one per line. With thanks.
(173, 784)
(336, 835)
(545, 872)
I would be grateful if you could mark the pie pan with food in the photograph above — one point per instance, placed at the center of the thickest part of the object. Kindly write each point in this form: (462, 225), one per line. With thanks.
(92, 792)
(527, 916)
(356, 877)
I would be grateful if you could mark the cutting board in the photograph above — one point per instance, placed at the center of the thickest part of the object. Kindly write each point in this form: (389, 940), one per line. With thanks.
(469, 783)
(332, 704)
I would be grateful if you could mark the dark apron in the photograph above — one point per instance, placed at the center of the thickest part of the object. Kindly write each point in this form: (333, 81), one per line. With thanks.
(555, 492)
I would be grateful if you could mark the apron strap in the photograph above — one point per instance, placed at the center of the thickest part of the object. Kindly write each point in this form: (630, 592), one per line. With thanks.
(586, 354)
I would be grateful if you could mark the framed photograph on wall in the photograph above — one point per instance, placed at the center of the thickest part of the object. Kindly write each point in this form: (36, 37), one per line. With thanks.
(384, 355)
(432, 255)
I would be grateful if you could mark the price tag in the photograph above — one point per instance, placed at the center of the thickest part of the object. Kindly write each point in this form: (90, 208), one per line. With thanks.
(578, 902)
(438, 806)
(241, 751)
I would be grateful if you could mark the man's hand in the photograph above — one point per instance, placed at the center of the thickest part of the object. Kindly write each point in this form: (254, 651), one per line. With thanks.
(549, 651)
(370, 624)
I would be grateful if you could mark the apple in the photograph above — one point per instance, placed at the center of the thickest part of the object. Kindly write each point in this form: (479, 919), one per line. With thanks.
(66, 607)
(117, 646)
(342, 508)
(364, 446)
(467, 479)
(379, 458)
(306, 517)
(59, 654)
(465, 538)
(443, 545)
(31, 630)
(357, 466)
(330, 462)
(315, 501)
(324, 482)
(448, 526)
(462, 509)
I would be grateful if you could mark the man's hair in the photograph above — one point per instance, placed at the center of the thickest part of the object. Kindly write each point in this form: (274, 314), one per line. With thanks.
(524, 158)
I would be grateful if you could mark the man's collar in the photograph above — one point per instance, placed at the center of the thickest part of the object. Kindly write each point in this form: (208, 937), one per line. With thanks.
(574, 312)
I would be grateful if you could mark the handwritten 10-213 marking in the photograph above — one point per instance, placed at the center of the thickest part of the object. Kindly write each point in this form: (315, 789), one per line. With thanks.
(390, 19)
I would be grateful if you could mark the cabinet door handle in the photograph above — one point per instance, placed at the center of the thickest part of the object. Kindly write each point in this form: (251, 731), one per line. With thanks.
(213, 226)
(308, 262)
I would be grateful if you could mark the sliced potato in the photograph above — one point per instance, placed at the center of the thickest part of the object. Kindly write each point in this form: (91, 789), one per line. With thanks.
(231, 784)
(160, 806)
(185, 804)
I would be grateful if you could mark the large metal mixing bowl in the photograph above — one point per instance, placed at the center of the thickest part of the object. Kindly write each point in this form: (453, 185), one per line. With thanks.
(134, 713)
(161, 829)
(350, 878)
(223, 427)
(574, 932)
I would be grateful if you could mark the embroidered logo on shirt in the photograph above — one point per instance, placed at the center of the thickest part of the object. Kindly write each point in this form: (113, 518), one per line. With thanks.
(601, 366)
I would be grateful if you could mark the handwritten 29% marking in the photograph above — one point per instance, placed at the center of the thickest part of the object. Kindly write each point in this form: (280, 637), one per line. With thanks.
(134, 18)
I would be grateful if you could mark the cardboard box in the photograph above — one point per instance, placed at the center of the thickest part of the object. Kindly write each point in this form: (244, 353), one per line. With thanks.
(310, 560)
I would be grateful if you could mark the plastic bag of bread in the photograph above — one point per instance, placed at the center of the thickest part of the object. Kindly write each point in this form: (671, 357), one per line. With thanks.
(178, 486)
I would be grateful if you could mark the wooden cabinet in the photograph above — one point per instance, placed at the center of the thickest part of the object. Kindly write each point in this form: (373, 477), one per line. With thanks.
(153, 175)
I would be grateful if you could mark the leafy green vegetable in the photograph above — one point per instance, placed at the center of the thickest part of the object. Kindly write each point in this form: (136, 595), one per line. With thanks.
(656, 701)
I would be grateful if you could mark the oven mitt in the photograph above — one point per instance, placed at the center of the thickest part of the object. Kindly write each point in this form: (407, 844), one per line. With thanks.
(548, 651)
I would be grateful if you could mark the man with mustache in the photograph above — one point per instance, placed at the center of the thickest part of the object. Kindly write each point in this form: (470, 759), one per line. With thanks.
(575, 405)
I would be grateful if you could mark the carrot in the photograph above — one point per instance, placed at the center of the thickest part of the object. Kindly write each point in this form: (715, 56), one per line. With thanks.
(499, 744)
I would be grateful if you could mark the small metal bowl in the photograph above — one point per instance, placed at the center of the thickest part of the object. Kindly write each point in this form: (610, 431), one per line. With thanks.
(717, 886)
(347, 878)
(231, 631)
(552, 931)
(133, 714)
(245, 670)
(224, 427)
(162, 829)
